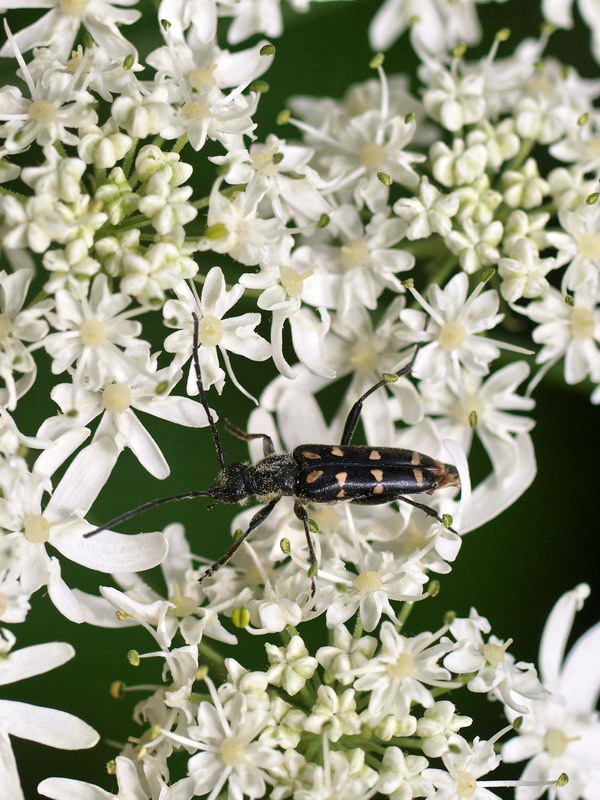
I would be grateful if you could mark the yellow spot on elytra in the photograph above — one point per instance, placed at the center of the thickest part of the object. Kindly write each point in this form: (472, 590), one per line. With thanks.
(378, 489)
(374, 455)
(341, 478)
(341, 493)
(308, 454)
(335, 451)
(377, 474)
(314, 475)
(418, 477)
(416, 458)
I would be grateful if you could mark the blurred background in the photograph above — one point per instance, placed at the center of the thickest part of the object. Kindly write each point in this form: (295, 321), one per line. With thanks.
(512, 570)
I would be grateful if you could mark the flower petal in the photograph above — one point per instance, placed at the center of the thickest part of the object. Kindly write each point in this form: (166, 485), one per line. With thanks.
(47, 726)
(68, 789)
(9, 777)
(556, 632)
(34, 660)
(110, 551)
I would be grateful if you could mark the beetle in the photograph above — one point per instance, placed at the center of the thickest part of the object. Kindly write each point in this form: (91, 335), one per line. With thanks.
(313, 473)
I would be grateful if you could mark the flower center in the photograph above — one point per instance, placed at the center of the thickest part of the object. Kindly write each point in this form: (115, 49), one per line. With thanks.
(372, 155)
(93, 333)
(465, 784)
(589, 246)
(494, 653)
(354, 254)
(200, 78)
(402, 668)
(582, 323)
(210, 331)
(6, 326)
(184, 605)
(233, 751)
(42, 111)
(293, 281)
(116, 398)
(36, 528)
(369, 581)
(555, 742)
(363, 356)
(73, 8)
(452, 335)
(195, 110)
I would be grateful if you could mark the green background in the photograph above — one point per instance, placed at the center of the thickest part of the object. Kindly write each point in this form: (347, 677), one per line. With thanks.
(512, 570)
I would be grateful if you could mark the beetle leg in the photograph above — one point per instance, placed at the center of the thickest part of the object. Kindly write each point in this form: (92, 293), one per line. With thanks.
(356, 410)
(256, 520)
(268, 446)
(426, 510)
(300, 512)
(213, 428)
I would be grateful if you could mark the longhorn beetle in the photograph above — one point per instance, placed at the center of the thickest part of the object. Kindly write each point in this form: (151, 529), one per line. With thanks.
(313, 473)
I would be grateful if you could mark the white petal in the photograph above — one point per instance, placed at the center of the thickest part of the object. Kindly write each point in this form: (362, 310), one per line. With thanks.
(55, 455)
(34, 660)
(556, 632)
(110, 551)
(181, 410)
(146, 450)
(100, 612)
(47, 726)
(67, 789)
(62, 596)
(580, 679)
(9, 777)
(83, 480)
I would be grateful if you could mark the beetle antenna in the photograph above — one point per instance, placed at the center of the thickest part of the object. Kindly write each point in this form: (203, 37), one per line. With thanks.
(213, 428)
(145, 507)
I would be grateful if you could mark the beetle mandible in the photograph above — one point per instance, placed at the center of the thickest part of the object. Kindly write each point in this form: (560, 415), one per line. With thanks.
(313, 473)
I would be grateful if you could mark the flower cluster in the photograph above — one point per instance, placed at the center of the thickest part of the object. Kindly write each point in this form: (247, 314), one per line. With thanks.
(343, 720)
(393, 233)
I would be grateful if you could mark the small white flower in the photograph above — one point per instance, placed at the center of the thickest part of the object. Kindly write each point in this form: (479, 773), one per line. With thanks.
(333, 715)
(524, 272)
(291, 666)
(430, 213)
(437, 725)
(396, 676)
(217, 334)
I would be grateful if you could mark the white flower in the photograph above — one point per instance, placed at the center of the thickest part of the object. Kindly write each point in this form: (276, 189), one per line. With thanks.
(561, 732)
(495, 670)
(464, 764)
(346, 654)
(61, 24)
(39, 724)
(452, 100)
(429, 213)
(142, 114)
(396, 676)
(55, 105)
(401, 776)
(18, 328)
(437, 725)
(291, 666)
(453, 329)
(230, 751)
(458, 165)
(524, 188)
(333, 715)
(92, 331)
(524, 272)
(217, 334)
(381, 578)
(578, 244)
(236, 227)
(569, 330)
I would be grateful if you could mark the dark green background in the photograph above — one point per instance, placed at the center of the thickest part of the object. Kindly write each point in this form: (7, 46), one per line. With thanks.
(512, 570)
